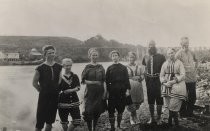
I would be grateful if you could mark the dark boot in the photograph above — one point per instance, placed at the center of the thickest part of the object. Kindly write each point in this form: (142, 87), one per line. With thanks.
(35, 129)
(95, 121)
(48, 127)
(159, 111)
(89, 124)
(119, 118)
(112, 123)
(170, 118)
(206, 109)
(183, 111)
(65, 126)
(133, 118)
(151, 109)
(176, 120)
(71, 127)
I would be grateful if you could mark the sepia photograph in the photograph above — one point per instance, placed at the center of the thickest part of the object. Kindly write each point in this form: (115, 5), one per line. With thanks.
(104, 65)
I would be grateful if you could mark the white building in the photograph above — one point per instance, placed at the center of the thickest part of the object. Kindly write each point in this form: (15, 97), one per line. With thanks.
(9, 56)
(2, 55)
(12, 56)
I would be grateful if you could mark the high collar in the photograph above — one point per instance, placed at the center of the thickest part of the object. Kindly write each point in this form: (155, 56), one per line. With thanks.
(68, 75)
(53, 63)
(185, 51)
(153, 54)
(169, 60)
(134, 64)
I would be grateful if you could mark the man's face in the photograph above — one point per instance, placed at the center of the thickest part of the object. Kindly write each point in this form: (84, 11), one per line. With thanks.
(50, 54)
(185, 44)
(152, 49)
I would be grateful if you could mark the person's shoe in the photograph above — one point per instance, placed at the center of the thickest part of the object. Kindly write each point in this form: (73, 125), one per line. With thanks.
(48, 127)
(182, 117)
(151, 121)
(191, 115)
(170, 124)
(112, 129)
(159, 121)
(35, 129)
(132, 122)
(65, 126)
(137, 121)
(206, 112)
(170, 121)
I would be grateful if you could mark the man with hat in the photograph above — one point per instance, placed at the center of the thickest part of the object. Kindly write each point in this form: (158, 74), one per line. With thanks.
(153, 63)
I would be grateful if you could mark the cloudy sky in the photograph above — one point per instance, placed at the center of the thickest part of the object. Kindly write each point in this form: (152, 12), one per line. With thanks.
(128, 21)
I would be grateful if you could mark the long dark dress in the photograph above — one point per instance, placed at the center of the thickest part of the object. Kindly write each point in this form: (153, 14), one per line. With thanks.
(93, 93)
(48, 95)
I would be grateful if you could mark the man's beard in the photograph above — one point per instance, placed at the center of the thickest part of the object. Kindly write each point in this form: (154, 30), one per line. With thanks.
(152, 51)
(185, 48)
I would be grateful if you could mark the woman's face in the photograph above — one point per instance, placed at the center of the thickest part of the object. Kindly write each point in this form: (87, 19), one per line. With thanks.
(132, 59)
(115, 57)
(67, 66)
(50, 54)
(94, 56)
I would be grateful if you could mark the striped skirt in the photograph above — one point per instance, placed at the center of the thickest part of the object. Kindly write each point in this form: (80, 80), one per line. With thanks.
(176, 91)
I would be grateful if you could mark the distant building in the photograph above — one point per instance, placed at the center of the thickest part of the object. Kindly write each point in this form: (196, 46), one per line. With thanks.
(9, 56)
(35, 54)
(12, 57)
(2, 55)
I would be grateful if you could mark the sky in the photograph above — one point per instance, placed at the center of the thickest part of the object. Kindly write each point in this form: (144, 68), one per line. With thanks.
(127, 21)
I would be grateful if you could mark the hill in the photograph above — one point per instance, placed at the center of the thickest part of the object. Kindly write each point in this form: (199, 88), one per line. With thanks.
(66, 46)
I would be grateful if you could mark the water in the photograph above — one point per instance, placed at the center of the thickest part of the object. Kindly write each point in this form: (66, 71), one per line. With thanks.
(18, 98)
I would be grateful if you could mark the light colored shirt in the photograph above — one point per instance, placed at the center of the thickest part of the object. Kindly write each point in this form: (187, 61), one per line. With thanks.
(151, 64)
(188, 59)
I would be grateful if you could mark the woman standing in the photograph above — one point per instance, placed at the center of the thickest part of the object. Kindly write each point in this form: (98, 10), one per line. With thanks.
(94, 77)
(136, 76)
(46, 81)
(118, 87)
(172, 77)
(68, 103)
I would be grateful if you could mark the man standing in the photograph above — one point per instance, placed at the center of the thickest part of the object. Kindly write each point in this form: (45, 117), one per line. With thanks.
(153, 63)
(190, 64)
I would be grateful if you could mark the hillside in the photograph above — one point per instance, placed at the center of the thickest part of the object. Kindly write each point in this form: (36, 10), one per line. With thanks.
(9, 43)
(66, 46)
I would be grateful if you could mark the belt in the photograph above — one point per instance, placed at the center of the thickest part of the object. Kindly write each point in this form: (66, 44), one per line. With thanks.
(153, 75)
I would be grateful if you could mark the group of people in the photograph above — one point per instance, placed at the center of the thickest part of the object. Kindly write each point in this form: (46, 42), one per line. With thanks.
(169, 82)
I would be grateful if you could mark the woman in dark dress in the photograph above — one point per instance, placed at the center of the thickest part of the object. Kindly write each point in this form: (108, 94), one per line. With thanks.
(93, 76)
(68, 100)
(118, 87)
(46, 81)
